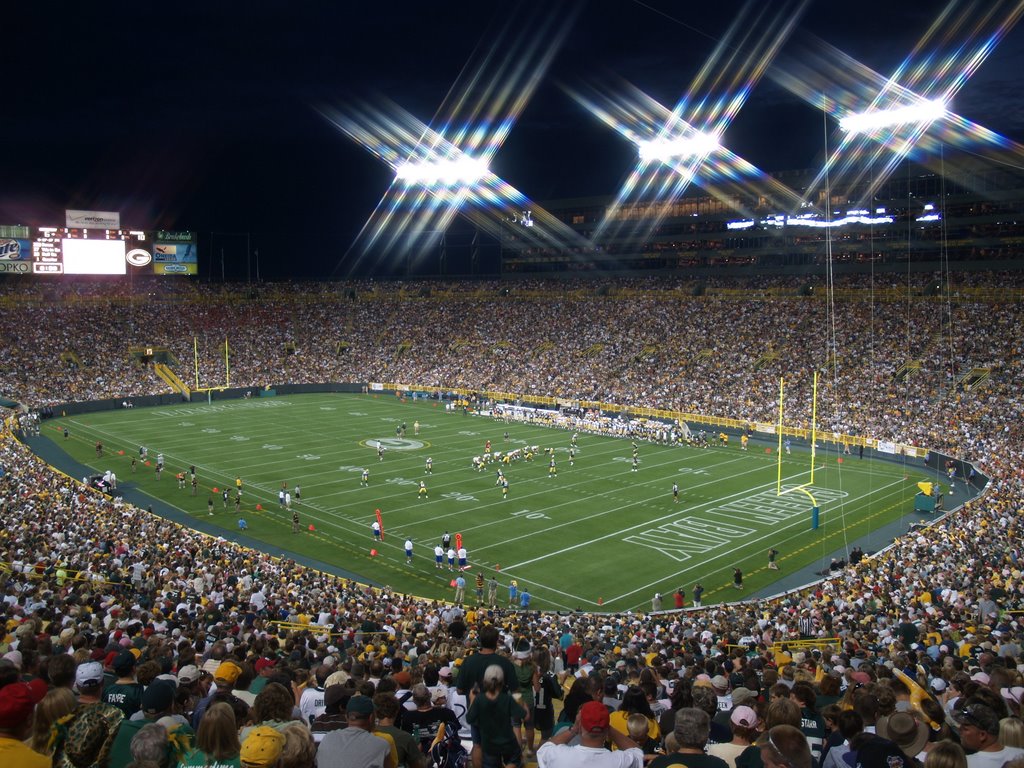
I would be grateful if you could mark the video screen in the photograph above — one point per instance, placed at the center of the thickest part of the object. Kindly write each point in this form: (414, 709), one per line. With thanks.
(94, 257)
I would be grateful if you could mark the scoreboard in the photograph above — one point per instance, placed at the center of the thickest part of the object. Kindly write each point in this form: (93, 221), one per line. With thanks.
(68, 251)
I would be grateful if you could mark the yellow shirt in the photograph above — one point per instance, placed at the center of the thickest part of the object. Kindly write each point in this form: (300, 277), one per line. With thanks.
(15, 753)
(617, 720)
(391, 743)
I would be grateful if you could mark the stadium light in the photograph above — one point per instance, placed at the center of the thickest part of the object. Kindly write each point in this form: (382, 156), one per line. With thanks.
(456, 171)
(682, 147)
(927, 111)
(679, 145)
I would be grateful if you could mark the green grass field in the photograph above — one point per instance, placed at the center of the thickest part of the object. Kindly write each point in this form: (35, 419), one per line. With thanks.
(598, 534)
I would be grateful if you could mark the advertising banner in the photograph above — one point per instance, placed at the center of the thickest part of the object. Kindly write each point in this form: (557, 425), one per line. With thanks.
(175, 259)
(92, 219)
(15, 256)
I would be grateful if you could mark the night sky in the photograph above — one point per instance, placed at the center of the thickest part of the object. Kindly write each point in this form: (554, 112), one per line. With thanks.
(205, 116)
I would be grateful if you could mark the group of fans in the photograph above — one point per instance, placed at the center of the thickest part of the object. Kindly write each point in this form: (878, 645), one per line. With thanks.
(132, 640)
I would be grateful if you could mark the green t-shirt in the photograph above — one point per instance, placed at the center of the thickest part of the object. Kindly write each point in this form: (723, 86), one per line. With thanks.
(524, 674)
(198, 759)
(125, 696)
(493, 718)
(471, 673)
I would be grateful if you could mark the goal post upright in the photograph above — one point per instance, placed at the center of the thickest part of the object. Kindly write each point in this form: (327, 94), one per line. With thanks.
(815, 510)
(778, 450)
(814, 424)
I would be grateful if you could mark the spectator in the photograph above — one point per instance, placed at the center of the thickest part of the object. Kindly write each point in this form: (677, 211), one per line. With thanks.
(262, 748)
(592, 728)
(947, 754)
(785, 746)
(387, 710)
(334, 717)
(56, 704)
(227, 672)
(125, 692)
(216, 741)
(157, 702)
(745, 726)
(492, 713)
(691, 730)
(906, 732)
(426, 719)
(91, 732)
(850, 724)
(274, 707)
(356, 744)
(634, 702)
(979, 733)
(17, 703)
(1011, 732)
(149, 748)
(299, 749)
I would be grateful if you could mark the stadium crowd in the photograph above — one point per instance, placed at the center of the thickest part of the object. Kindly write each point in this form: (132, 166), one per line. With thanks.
(642, 343)
(132, 640)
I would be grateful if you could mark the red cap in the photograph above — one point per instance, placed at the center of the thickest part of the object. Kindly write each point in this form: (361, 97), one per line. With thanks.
(593, 717)
(263, 663)
(17, 700)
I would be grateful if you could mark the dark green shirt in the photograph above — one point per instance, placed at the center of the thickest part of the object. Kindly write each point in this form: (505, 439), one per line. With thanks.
(125, 696)
(471, 673)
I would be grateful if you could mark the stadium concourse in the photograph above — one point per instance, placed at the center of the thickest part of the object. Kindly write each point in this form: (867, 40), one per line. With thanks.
(118, 603)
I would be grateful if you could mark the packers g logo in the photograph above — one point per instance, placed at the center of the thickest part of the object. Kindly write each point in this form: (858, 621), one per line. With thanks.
(138, 257)
(395, 444)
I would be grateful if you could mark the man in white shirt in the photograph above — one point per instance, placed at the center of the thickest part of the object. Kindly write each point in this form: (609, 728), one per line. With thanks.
(312, 703)
(592, 728)
(979, 731)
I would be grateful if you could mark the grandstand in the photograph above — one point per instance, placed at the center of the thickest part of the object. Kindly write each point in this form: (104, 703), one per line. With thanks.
(82, 565)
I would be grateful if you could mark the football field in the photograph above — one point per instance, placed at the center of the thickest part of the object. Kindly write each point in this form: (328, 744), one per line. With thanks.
(598, 535)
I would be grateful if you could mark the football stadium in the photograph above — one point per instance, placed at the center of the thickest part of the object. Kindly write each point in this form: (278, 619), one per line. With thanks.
(718, 468)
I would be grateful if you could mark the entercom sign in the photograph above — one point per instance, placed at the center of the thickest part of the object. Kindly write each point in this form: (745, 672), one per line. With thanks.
(15, 256)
